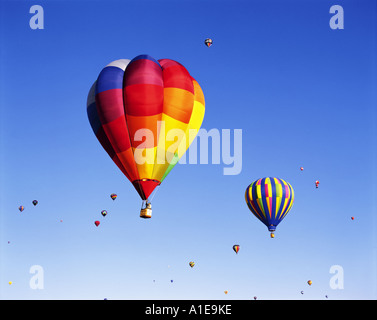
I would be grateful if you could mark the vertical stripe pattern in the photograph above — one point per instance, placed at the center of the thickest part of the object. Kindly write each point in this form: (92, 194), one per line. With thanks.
(269, 199)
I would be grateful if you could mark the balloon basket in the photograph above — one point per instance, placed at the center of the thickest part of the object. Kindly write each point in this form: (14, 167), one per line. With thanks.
(146, 213)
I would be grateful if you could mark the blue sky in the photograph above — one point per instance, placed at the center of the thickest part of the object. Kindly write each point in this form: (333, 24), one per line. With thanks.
(303, 95)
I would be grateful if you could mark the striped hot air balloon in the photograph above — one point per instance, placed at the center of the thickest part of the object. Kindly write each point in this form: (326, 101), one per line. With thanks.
(269, 199)
(141, 112)
(236, 248)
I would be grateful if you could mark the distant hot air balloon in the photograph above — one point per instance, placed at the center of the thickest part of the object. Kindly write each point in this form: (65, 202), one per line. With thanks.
(10, 282)
(302, 292)
(144, 113)
(35, 202)
(270, 199)
(226, 291)
(236, 248)
(302, 168)
(191, 264)
(104, 212)
(113, 196)
(21, 208)
(255, 298)
(208, 42)
(352, 218)
(310, 282)
(316, 183)
(96, 223)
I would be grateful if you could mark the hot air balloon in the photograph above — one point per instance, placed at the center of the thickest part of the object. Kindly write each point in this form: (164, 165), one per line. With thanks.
(352, 218)
(236, 248)
(113, 196)
(302, 168)
(310, 282)
(21, 208)
(141, 111)
(104, 212)
(10, 282)
(96, 223)
(316, 183)
(191, 264)
(208, 42)
(270, 199)
(226, 291)
(35, 202)
(255, 298)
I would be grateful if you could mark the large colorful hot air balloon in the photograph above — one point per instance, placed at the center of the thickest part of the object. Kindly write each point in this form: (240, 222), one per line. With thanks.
(269, 199)
(142, 112)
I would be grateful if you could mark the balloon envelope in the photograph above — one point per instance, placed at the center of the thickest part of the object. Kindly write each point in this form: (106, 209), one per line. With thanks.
(141, 111)
(208, 42)
(236, 248)
(269, 199)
